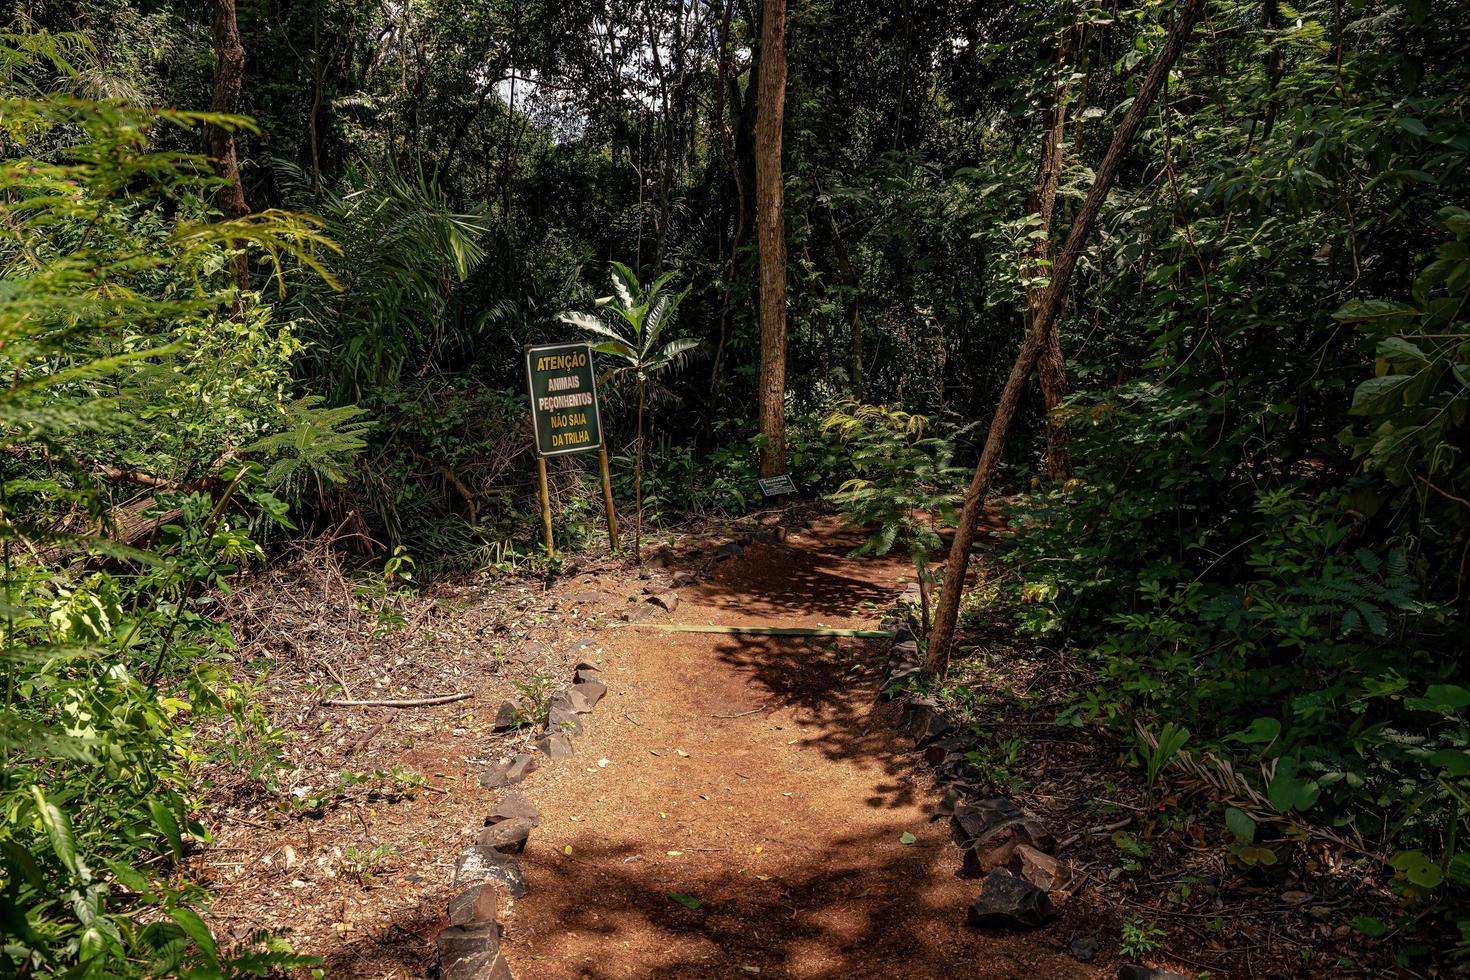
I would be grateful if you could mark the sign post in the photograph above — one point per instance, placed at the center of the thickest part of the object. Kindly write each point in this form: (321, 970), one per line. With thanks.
(565, 415)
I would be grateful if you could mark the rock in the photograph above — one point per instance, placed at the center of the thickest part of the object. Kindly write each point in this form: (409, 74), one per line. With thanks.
(951, 747)
(667, 601)
(507, 718)
(481, 863)
(514, 806)
(637, 613)
(1042, 870)
(581, 645)
(467, 952)
(1084, 950)
(973, 818)
(953, 796)
(1148, 973)
(897, 681)
(587, 674)
(682, 579)
(477, 903)
(509, 773)
(1008, 902)
(555, 746)
(733, 549)
(562, 716)
(507, 836)
(586, 693)
(995, 848)
(923, 722)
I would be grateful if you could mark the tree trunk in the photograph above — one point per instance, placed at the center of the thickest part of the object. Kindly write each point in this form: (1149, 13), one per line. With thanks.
(771, 229)
(942, 635)
(229, 76)
(1051, 367)
(638, 481)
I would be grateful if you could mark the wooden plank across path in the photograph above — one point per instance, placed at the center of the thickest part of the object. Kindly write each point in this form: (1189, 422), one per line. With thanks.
(768, 630)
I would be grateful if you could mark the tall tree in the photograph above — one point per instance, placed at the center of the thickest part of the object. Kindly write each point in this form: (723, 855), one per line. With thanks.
(941, 636)
(771, 236)
(229, 76)
(1051, 366)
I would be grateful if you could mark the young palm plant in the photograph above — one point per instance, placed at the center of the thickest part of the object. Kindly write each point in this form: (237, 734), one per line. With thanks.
(630, 323)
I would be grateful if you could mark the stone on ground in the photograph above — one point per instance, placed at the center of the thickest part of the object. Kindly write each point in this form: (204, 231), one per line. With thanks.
(509, 773)
(477, 903)
(1039, 868)
(562, 716)
(555, 746)
(512, 807)
(507, 718)
(667, 601)
(1008, 902)
(480, 863)
(1148, 973)
(973, 818)
(924, 723)
(995, 848)
(586, 694)
(472, 952)
(507, 836)
(637, 613)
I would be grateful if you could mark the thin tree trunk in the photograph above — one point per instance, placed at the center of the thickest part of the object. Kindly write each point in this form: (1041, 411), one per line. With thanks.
(730, 158)
(941, 636)
(771, 229)
(316, 101)
(638, 482)
(1051, 367)
(229, 76)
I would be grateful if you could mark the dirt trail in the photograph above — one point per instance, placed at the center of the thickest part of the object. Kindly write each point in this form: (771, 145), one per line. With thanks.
(759, 776)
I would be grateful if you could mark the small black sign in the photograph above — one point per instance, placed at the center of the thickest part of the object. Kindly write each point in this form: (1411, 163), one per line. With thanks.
(773, 486)
(563, 399)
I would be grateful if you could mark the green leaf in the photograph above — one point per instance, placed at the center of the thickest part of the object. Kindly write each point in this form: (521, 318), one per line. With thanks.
(59, 833)
(1240, 824)
(1370, 927)
(167, 825)
(128, 876)
(1453, 761)
(1262, 731)
(1417, 868)
(907, 838)
(1289, 791)
(688, 901)
(190, 922)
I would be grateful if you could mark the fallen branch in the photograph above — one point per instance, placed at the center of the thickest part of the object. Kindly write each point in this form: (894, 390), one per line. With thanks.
(404, 703)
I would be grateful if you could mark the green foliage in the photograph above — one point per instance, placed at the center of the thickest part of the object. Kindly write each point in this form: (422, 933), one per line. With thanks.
(631, 327)
(108, 321)
(1139, 938)
(1418, 405)
(904, 485)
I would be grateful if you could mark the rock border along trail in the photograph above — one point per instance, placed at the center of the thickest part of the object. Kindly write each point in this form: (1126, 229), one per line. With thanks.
(759, 779)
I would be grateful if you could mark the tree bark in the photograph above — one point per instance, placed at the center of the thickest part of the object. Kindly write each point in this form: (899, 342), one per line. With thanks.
(229, 76)
(1051, 367)
(941, 637)
(771, 232)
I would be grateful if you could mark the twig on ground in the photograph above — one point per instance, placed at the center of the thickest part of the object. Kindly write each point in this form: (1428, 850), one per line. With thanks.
(402, 703)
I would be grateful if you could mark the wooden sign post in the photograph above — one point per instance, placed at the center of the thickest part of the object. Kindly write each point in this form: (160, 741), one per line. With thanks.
(565, 415)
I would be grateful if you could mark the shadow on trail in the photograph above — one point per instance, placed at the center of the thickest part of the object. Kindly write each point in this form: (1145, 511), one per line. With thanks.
(833, 687)
(815, 918)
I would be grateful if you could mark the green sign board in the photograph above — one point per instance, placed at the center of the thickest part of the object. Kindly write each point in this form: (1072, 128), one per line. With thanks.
(563, 399)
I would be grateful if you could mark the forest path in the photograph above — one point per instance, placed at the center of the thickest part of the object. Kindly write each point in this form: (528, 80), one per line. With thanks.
(760, 776)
